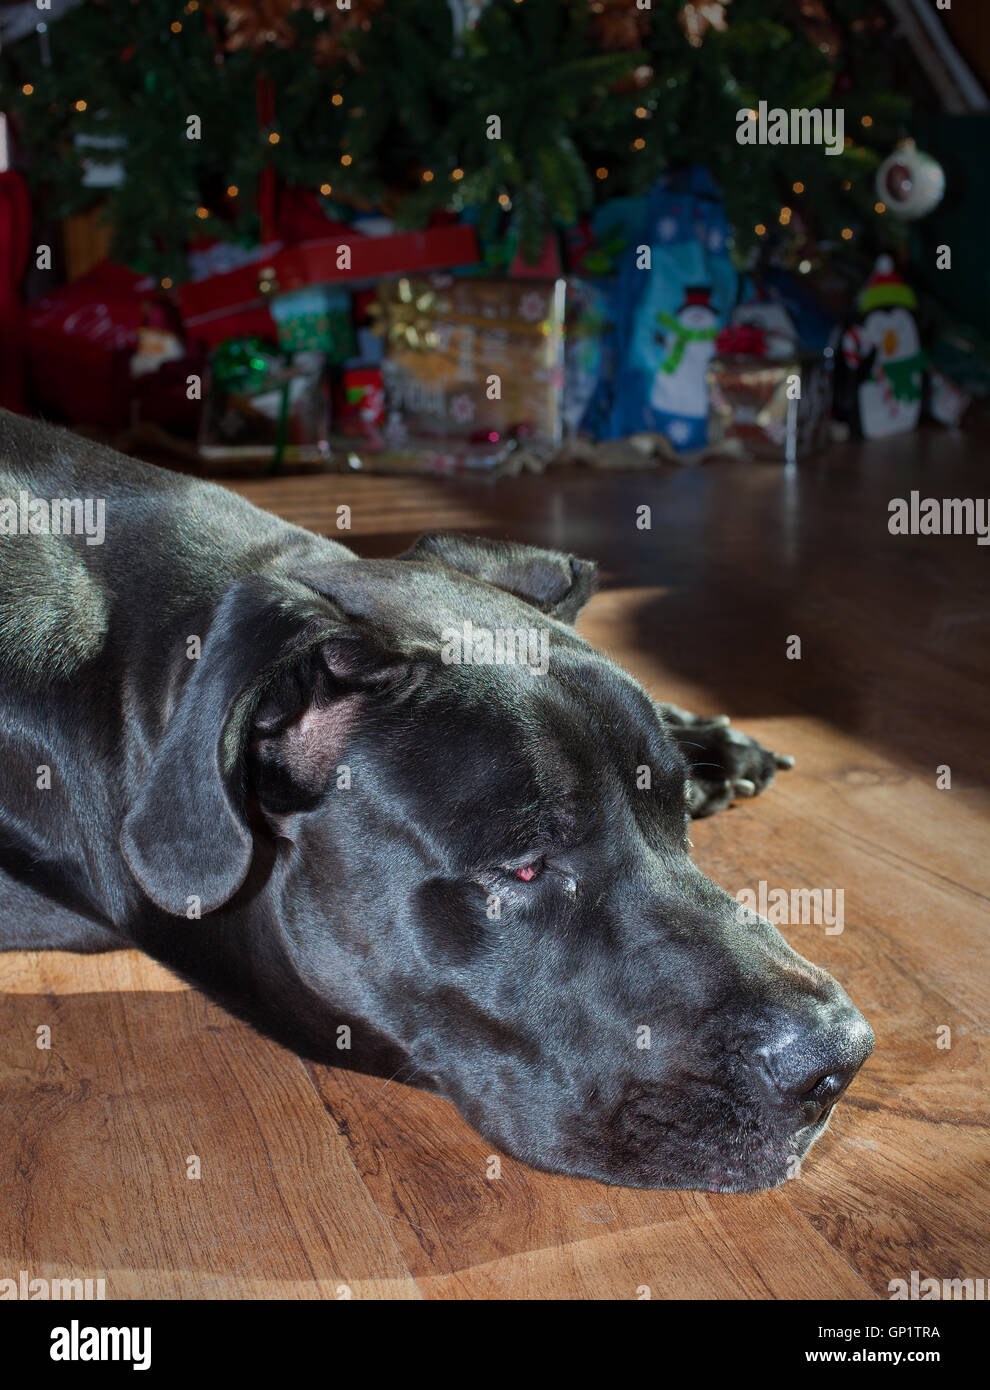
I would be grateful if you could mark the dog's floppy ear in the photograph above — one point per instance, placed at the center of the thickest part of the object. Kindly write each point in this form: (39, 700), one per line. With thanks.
(557, 584)
(269, 655)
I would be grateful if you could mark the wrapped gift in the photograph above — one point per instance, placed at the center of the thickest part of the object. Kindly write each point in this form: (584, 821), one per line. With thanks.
(668, 316)
(471, 365)
(765, 320)
(315, 319)
(359, 404)
(263, 404)
(947, 402)
(238, 302)
(778, 410)
(80, 341)
(106, 350)
(589, 356)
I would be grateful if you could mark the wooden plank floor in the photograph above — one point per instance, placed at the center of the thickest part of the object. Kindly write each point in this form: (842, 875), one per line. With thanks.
(317, 1183)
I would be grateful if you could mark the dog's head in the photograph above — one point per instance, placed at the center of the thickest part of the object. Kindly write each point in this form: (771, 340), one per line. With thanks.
(482, 857)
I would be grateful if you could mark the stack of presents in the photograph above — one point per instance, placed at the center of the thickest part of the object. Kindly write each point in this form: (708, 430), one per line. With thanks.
(350, 344)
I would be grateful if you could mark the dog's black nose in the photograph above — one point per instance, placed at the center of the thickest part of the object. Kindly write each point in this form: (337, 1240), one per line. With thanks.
(815, 1089)
(810, 1061)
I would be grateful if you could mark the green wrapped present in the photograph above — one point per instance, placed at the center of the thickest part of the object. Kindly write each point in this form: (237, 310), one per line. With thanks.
(263, 403)
(315, 319)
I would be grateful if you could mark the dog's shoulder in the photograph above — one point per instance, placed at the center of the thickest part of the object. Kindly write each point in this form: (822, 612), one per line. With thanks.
(88, 535)
(53, 612)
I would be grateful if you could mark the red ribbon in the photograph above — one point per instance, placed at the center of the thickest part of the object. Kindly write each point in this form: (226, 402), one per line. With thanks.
(741, 340)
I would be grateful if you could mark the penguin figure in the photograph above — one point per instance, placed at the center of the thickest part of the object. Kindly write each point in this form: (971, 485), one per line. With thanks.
(882, 359)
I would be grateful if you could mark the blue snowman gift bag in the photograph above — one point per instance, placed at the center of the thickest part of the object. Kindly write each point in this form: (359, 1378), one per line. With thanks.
(674, 291)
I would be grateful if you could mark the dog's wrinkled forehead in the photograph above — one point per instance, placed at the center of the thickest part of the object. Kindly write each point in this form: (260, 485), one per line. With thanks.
(497, 759)
(418, 602)
(518, 730)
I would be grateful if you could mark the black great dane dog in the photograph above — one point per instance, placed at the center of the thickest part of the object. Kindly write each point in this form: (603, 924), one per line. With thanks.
(270, 765)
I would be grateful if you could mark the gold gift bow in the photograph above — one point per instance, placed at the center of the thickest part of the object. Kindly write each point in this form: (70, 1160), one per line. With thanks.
(409, 321)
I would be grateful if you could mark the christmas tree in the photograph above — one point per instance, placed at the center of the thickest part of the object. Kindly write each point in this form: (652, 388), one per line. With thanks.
(529, 112)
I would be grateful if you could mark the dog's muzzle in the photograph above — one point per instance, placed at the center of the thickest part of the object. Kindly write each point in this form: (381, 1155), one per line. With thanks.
(809, 1057)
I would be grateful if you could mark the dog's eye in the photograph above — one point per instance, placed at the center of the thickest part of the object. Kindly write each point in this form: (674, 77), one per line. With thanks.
(529, 871)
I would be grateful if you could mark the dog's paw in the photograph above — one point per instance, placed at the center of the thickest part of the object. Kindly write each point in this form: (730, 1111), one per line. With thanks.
(725, 764)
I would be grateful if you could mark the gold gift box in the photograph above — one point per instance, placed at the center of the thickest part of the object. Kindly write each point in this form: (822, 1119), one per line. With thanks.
(471, 359)
(752, 399)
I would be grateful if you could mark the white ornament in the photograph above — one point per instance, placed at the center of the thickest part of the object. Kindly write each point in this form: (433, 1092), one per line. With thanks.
(909, 182)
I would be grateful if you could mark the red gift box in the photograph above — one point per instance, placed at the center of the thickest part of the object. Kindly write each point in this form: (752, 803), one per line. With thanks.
(359, 404)
(80, 340)
(233, 305)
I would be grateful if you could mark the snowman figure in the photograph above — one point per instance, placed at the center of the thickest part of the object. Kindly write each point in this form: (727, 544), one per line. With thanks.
(882, 353)
(680, 391)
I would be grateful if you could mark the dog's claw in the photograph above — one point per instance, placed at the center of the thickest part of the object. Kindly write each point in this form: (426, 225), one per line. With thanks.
(725, 765)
